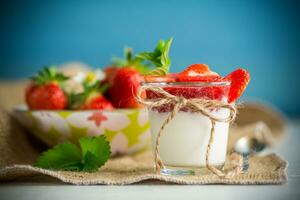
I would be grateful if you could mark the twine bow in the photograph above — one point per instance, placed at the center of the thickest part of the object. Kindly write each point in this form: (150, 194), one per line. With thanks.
(201, 106)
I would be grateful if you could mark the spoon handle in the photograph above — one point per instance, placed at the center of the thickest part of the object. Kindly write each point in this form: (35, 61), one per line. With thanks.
(245, 166)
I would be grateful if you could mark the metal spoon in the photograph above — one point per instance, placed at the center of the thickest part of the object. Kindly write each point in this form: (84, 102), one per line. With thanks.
(246, 147)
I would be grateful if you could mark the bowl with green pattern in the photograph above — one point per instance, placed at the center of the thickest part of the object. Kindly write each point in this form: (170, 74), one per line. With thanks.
(127, 130)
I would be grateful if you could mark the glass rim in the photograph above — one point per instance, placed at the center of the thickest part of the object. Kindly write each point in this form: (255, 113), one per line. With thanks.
(186, 84)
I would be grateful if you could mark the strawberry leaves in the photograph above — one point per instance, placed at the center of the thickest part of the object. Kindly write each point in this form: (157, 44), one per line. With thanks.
(78, 99)
(131, 60)
(159, 57)
(92, 154)
(49, 74)
(126, 61)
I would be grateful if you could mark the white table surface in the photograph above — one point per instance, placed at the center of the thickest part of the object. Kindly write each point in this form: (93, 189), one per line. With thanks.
(288, 149)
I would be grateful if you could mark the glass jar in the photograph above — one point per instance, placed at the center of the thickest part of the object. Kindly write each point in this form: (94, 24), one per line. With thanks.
(184, 141)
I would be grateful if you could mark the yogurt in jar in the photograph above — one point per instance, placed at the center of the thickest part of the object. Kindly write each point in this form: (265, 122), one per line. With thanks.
(184, 140)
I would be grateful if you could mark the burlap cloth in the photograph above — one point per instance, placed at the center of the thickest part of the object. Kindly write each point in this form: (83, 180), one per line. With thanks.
(18, 150)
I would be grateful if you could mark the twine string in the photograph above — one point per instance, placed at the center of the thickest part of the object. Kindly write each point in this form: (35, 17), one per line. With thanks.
(201, 106)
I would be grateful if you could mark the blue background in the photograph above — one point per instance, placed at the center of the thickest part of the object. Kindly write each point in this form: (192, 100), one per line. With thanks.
(261, 36)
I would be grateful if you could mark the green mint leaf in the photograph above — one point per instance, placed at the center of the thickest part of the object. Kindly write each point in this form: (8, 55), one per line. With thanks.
(97, 145)
(95, 151)
(165, 59)
(143, 68)
(65, 156)
(92, 154)
(159, 57)
(146, 56)
(91, 162)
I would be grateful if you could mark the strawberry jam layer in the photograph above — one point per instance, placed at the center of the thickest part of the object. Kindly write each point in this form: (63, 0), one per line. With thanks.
(219, 92)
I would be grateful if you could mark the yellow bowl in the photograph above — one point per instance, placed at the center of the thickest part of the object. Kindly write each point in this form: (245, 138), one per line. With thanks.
(128, 130)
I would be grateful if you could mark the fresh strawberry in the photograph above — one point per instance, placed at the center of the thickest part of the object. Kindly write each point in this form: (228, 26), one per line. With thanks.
(239, 80)
(110, 73)
(198, 73)
(126, 80)
(45, 91)
(202, 78)
(124, 87)
(91, 98)
(159, 79)
(196, 70)
(97, 102)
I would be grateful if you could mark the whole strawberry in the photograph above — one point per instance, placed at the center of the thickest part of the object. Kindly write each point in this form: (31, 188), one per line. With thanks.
(98, 102)
(45, 91)
(124, 88)
(126, 79)
(91, 98)
(110, 73)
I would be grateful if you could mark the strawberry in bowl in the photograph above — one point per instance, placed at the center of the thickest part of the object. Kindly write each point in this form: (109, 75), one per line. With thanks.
(56, 114)
(61, 108)
(45, 92)
(124, 87)
(92, 98)
(128, 74)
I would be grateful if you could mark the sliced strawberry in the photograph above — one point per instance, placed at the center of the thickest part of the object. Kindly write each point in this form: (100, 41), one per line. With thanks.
(239, 80)
(159, 79)
(195, 69)
(202, 78)
(198, 73)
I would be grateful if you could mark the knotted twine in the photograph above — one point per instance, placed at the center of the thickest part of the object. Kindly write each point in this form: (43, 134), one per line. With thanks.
(201, 106)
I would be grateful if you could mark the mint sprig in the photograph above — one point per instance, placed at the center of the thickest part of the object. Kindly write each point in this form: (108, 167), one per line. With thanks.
(159, 57)
(92, 154)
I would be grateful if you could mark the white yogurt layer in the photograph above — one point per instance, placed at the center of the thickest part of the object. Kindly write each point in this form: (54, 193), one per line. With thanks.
(185, 139)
